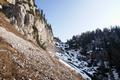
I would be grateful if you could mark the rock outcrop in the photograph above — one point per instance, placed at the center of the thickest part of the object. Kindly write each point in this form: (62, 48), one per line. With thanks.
(29, 21)
(26, 44)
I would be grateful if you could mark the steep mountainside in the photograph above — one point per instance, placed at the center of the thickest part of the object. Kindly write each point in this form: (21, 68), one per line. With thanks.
(26, 44)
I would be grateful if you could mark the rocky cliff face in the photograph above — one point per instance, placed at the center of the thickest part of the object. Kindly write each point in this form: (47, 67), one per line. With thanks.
(29, 21)
(26, 44)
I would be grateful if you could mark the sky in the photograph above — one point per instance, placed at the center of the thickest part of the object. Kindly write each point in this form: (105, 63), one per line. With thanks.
(73, 17)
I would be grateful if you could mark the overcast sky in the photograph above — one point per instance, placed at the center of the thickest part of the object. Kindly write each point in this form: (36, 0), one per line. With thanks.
(72, 17)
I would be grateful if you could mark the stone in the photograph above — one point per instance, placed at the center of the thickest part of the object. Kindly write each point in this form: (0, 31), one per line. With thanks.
(29, 19)
(20, 13)
(11, 1)
(33, 27)
(26, 7)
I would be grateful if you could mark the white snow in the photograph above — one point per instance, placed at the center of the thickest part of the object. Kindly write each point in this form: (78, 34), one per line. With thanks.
(66, 64)
(76, 69)
(116, 76)
(70, 60)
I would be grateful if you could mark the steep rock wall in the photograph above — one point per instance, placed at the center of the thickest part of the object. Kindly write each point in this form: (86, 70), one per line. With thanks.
(29, 21)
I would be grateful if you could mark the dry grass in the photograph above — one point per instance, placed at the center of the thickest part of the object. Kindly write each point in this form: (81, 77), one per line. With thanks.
(5, 60)
(8, 67)
(61, 68)
(14, 70)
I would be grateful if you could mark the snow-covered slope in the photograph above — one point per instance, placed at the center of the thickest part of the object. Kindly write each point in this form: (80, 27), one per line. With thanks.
(72, 58)
(76, 61)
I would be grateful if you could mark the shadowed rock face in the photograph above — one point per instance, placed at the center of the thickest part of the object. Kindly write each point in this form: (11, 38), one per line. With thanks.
(24, 36)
